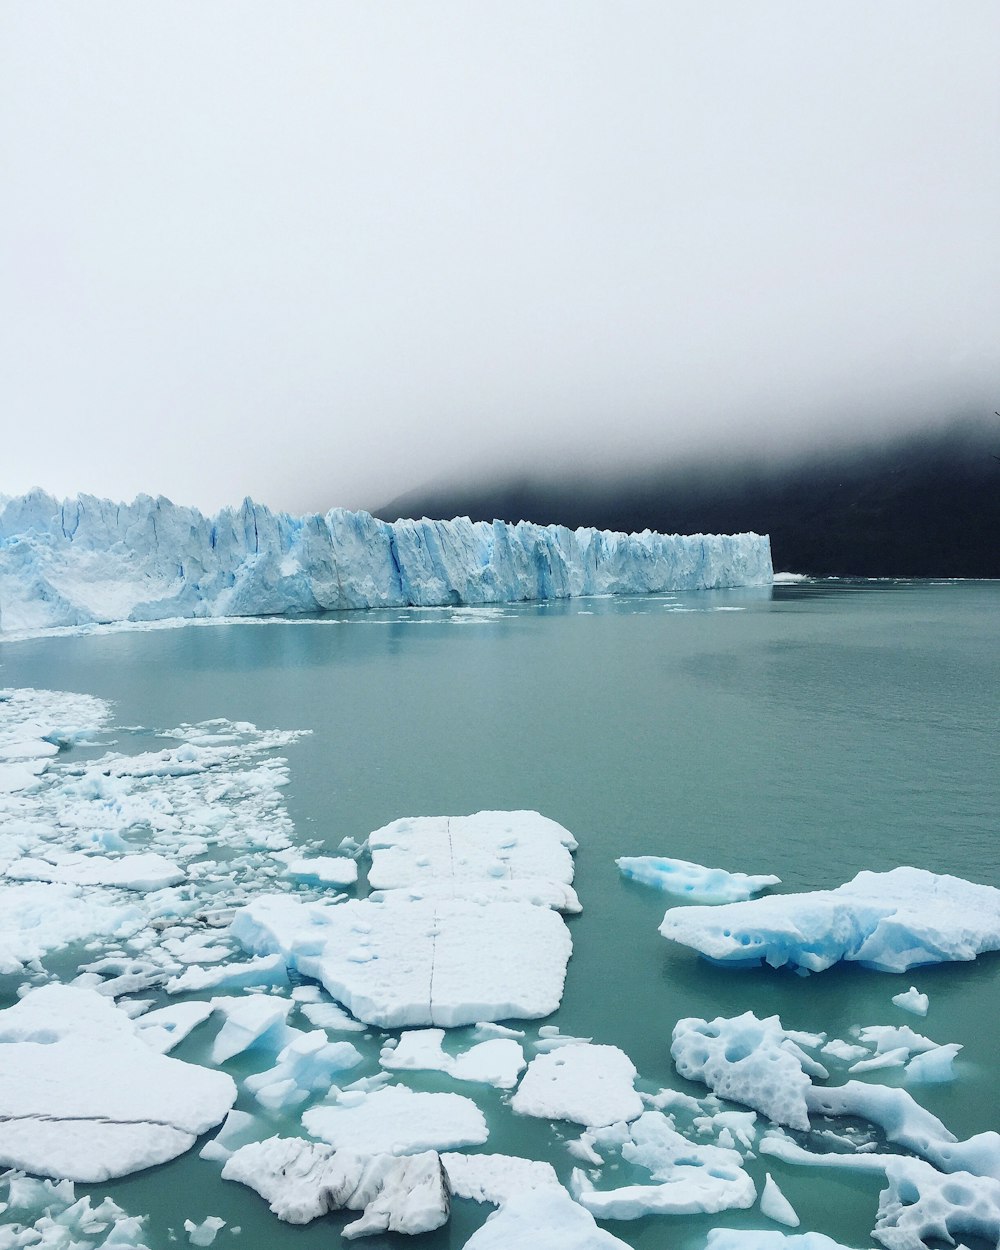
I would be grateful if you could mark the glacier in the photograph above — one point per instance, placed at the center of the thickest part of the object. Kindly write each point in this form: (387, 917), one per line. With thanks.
(86, 560)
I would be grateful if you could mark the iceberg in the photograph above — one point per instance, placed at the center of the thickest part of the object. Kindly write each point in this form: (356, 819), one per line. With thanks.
(890, 921)
(693, 881)
(87, 560)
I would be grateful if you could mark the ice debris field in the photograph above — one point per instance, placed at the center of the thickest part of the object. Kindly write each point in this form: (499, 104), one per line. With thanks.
(84, 560)
(156, 899)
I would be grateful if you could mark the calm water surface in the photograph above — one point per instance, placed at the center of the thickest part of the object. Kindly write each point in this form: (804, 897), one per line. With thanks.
(811, 731)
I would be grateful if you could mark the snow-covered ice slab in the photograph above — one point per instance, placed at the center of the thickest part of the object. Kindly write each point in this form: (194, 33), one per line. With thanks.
(886, 920)
(84, 560)
(589, 1085)
(81, 1096)
(496, 1178)
(690, 1178)
(400, 963)
(506, 855)
(147, 871)
(751, 1061)
(303, 1180)
(325, 869)
(167, 1027)
(542, 1219)
(38, 917)
(396, 1120)
(693, 881)
(497, 1061)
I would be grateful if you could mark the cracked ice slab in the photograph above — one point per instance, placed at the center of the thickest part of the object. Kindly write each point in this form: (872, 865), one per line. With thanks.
(505, 855)
(885, 920)
(83, 1097)
(400, 962)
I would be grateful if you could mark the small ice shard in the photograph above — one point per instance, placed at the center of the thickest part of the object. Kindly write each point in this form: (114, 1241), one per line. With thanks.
(303, 1180)
(845, 1051)
(324, 869)
(933, 1067)
(693, 881)
(750, 1061)
(167, 1027)
(395, 1120)
(542, 1219)
(688, 1178)
(495, 1178)
(891, 921)
(912, 1000)
(775, 1205)
(504, 855)
(587, 1084)
(306, 1065)
(497, 1061)
(249, 1020)
(886, 1059)
(204, 1234)
(921, 1207)
(237, 1124)
(81, 1096)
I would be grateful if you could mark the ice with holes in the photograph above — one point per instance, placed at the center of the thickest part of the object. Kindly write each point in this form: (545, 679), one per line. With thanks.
(891, 921)
(693, 881)
(921, 1207)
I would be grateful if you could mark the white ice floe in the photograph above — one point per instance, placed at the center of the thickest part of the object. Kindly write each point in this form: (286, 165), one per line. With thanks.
(131, 872)
(886, 920)
(933, 1067)
(236, 1130)
(167, 1027)
(303, 1180)
(587, 1084)
(497, 1061)
(693, 881)
(266, 970)
(395, 1120)
(489, 855)
(38, 917)
(495, 1178)
(331, 1016)
(325, 869)
(249, 1020)
(921, 1207)
(912, 1000)
(775, 1205)
(399, 963)
(81, 1096)
(688, 1178)
(846, 1052)
(542, 1219)
(751, 1239)
(205, 1233)
(47, 1215)
(751, 1061)
(306, 1065)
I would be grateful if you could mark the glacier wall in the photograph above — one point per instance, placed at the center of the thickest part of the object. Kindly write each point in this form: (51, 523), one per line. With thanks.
(85, 560)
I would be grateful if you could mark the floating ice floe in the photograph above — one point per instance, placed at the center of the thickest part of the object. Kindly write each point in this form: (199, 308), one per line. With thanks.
(325, 869)
(331, 1016)
(305, 1066)
(489, 855)
(131, 872)
(47, 1215)
(303, 1180)
(496, 1178)
(37, 917)
(542, 1219)
(205, 1233)
(688, 1178)
(750, 1061)
(496, 1061)
(589, 1085)
(775, 1205)
(921, 1207)
(81, 1096)
(249, 1020)
(751, 1239)
(912, 1000)
(401, 962)
(167, 1027)
(885, 920)
(396, 1120)
(692, 881)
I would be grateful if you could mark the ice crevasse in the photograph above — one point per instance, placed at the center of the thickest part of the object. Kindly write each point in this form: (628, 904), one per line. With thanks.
(86, 560)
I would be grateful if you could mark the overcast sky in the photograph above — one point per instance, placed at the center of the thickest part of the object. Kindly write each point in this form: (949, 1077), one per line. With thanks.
(325, 252)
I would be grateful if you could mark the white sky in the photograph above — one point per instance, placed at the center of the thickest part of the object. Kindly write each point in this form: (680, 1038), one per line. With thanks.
(323, 252)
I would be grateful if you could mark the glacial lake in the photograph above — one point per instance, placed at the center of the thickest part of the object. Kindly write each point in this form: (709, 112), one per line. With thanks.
(812, 731)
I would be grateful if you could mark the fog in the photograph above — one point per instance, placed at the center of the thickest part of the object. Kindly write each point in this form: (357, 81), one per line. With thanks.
(326, 253)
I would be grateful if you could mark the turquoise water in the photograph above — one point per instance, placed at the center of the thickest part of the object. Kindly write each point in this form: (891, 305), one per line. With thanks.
(814, 731)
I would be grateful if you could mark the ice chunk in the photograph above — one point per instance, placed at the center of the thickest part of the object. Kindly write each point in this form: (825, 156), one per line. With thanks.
(748, 1239)
(330, 1016)
(887, 920)
(237, 1125)
(755, 1062)
(775, 1205)
(497, 1061)
(37, 917)
(689, 1178)
(81, 1096)
(506, 855)
(912, 1000)
(542, 1219)
(400, 963)
(305, 1066)
(692, 881)
(47, 1216)
(921, 1207)
(933, 1067)
(395, 1120)
(495, 1178)
(590, 1085)
(204, 1234)
(167, 1027)
(269, 970)
(326, 869)
(247, 1021)
(303, 1180)
(145, 872)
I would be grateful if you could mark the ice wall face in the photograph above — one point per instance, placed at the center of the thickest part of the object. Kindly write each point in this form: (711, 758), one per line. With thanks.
(89, 560)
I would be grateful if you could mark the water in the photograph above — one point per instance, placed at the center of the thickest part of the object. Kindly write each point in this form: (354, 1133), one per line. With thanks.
(813, 731)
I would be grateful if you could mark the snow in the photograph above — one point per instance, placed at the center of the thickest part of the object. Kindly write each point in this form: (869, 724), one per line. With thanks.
(497, 1061)
(587, 1084)
(399, 962)
(396, 1120)
(495, 1178)
(891, 921)
(689, 1178)
(83, 1097)
(912, 1000)
(775, 1205)
(88, 560)
(693, 881)
(750, 1061)
(303, 1180)
(542, 1219)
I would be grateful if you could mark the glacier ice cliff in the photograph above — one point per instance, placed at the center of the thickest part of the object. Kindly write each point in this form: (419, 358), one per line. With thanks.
(87, 560)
